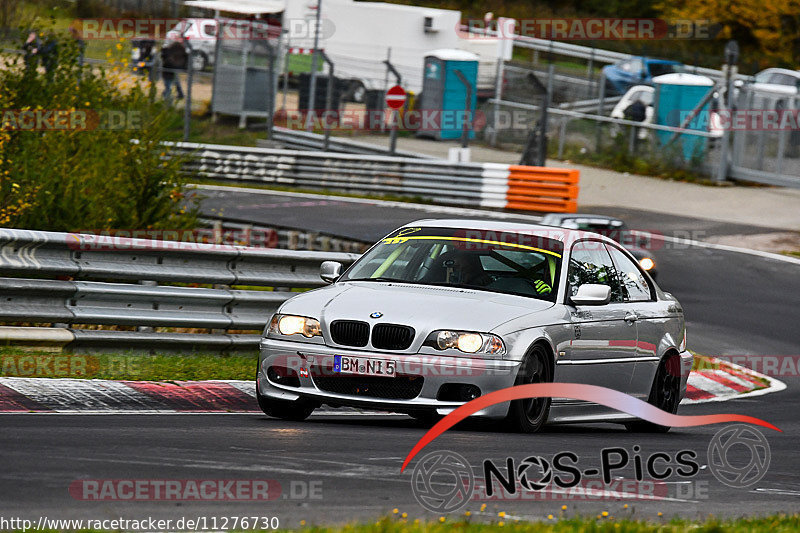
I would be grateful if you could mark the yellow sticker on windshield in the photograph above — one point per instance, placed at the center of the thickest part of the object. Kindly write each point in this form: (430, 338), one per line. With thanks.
(398, 239)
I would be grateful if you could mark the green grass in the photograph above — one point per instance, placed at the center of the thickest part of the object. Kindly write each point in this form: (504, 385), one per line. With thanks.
(782, 523)
(15, 362)
(610, 524)
(792, 253)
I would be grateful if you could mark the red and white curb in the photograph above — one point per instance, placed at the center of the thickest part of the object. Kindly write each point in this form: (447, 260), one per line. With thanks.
(97, 396)
(94, 396)
(724, 381)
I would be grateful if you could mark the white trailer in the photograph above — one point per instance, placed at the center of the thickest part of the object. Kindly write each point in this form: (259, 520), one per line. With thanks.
(360, 36)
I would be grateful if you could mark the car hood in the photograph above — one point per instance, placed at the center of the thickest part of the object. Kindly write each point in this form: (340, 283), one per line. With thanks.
(424, 307)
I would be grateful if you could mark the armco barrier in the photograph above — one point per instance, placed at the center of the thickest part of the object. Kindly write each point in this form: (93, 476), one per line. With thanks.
(72, 279)
(490, 185)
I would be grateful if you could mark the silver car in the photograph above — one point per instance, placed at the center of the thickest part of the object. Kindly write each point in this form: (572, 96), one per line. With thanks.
(440, 312)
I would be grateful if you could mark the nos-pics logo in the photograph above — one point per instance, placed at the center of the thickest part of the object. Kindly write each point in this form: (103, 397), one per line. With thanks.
(442, 481)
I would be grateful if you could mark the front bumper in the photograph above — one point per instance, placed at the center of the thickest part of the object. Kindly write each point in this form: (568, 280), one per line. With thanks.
(314, 361)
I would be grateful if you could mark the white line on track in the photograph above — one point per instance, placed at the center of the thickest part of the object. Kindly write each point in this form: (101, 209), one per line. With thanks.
(465, 211)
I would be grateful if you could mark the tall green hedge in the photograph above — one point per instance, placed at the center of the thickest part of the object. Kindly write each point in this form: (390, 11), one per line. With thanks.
(82, 169)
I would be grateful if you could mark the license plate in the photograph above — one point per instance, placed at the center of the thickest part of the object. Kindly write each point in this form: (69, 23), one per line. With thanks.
(363, 366)
(135, 54)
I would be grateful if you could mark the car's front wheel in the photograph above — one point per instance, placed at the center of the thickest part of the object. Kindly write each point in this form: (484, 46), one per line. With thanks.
(295, 410)
(665, 394)
(528, 415)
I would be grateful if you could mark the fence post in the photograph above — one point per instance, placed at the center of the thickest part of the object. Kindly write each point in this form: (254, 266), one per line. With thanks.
(187, 110)
(328, 97)
(312, 84)
(396, 113)
(467, 108)
(498, 95)
(600, 109)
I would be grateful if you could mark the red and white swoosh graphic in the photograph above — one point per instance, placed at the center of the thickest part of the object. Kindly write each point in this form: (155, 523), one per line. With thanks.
(576, 391)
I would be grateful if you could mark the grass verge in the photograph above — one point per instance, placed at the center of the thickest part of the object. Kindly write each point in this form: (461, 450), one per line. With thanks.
(15, 362)
(551, 524)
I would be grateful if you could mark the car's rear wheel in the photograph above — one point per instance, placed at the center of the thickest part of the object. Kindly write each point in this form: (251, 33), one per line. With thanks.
(528, 415)
(295, 410)
(664, 394)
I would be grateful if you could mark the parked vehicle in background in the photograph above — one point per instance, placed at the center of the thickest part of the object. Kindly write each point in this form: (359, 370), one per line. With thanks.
(646, 94)
(777, 80)
(613, 228)
(637, 71)
(202, 32)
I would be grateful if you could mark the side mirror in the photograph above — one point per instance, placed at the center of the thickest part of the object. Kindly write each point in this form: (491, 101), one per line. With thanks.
(592, 294)
(330, 271)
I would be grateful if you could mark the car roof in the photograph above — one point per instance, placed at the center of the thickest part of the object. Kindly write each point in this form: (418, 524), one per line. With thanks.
(795, 73)
(567, 216)
(563, 234)
(662, 61)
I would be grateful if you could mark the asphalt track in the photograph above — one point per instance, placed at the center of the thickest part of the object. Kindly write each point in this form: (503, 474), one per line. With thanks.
(735, 304)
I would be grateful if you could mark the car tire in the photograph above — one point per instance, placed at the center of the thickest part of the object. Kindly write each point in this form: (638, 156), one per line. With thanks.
(664, 394)
(357, 92)
(296, 410)
(199, 62)
(530, 415)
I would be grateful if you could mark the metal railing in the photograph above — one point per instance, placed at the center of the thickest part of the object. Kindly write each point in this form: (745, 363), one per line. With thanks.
(66, 279)
(438, 181)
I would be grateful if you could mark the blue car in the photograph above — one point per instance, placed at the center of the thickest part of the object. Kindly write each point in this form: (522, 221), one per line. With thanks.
(637, 71)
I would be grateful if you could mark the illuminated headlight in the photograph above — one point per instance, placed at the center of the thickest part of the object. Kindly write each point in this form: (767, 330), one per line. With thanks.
(647, 263)
(292, 325)
(466, 341)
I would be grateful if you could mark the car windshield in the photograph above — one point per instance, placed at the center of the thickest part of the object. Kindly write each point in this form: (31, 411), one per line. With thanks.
(523, 264)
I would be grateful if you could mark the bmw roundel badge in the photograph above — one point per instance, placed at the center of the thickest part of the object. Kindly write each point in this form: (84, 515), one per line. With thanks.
(376, 314)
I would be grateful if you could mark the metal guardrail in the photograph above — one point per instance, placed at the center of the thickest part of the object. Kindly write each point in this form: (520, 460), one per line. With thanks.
(438, 181)
(301, 140)
(74, 279)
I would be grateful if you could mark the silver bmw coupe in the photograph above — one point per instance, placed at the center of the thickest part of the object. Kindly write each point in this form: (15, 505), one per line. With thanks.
(440, 312)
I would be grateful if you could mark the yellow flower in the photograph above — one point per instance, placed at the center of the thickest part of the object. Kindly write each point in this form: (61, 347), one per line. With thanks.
(441, 519)
(563, 507)
(605, 513)
(404, 515)
(395, 510)
(501, 514)
(549, 517)
(483, 507)
(660, 513)
(302, 522)
(625, 506)
(501, 523)
(468, 513)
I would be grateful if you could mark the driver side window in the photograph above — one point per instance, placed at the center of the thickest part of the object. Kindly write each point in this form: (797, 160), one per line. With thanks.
(589, 262)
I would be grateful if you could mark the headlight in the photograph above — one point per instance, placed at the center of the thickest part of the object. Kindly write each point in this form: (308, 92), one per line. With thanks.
(291, 325)
(466, 341)
(647, 263)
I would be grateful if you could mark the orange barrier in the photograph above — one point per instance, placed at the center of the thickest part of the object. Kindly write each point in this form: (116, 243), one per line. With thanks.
(542, 189)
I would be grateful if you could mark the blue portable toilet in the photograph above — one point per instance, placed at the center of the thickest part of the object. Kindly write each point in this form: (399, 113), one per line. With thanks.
(676, 95)
(443, 99)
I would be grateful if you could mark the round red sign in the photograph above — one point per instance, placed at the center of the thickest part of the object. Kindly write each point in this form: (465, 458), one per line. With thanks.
(395, 97)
